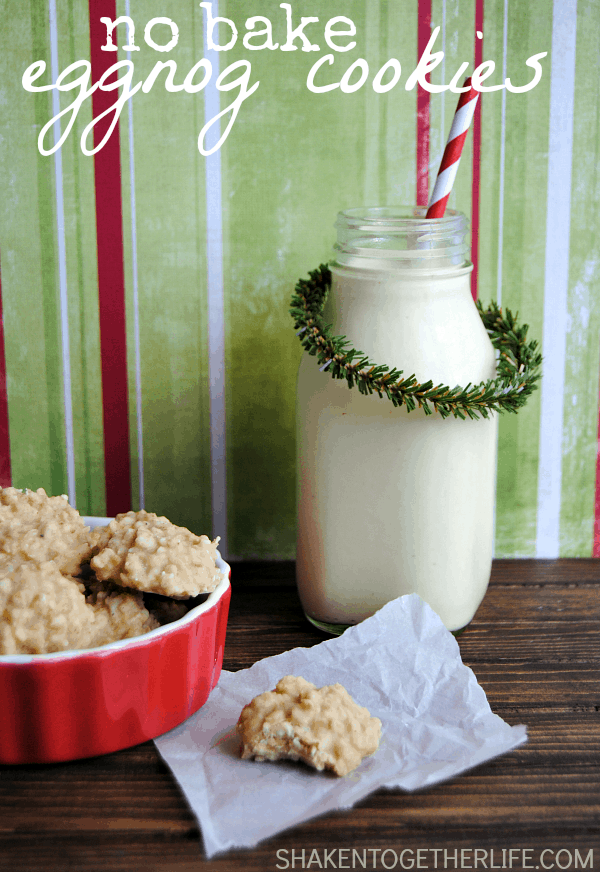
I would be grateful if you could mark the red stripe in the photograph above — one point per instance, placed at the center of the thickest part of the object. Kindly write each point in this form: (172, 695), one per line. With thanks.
(111, 278)
(423, 99)
(476, 157)
(5, 470)
(596, 543)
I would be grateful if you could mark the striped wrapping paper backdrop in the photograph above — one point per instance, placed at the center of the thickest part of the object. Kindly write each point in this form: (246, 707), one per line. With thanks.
(146, 352)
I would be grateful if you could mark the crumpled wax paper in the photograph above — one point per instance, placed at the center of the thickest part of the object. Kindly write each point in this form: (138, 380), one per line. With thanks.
(403, 665)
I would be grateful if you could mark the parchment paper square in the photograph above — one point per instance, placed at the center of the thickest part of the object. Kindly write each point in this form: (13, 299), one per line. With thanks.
(403, 665)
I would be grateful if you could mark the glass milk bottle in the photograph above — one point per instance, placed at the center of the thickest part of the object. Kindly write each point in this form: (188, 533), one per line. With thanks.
(392, 502)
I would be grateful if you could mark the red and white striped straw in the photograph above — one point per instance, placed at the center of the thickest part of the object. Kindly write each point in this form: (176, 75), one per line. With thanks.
(454, 146)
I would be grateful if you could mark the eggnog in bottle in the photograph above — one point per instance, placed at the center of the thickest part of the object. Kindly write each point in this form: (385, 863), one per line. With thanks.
(392, 502)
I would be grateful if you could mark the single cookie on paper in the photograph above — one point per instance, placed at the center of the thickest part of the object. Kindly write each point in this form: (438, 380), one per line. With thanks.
(323, 727)
(145, 552)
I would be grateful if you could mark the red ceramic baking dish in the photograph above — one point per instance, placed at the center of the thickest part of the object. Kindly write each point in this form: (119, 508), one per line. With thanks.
(77, 704)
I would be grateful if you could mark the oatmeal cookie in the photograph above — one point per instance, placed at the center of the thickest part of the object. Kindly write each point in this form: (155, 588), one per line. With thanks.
(325, 728)
(36, 527)
(41, 610)
(142, 551)
(118, 614)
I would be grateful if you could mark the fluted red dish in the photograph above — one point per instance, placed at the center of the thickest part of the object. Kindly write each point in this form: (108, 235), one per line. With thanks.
(84, 703)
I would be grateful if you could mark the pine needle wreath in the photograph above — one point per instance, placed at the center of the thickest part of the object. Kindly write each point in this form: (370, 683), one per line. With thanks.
(518, 364)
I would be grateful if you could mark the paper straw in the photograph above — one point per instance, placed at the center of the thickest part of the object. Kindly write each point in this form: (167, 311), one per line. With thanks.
(452, 152)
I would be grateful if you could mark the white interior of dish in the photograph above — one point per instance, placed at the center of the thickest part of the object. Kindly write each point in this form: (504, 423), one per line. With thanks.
(147, 638)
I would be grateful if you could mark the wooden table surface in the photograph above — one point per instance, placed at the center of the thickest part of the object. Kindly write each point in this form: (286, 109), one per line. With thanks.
(535, 648)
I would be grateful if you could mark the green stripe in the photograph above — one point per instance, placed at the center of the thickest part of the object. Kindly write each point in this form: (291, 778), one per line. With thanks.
(489, 215)
(49, 269)
(527, 123)
(171, 251)
(29, 264)
(398, 107)
(82, 279)
(583, 328)
(374, 175)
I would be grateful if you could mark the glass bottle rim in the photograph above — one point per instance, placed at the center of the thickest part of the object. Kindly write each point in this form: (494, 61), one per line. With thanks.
(400, 218)
(394, 236)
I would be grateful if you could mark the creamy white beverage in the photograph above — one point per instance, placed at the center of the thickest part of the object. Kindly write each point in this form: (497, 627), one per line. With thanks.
(393, 502)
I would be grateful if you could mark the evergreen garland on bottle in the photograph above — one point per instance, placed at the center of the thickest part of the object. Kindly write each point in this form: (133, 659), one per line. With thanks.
(518, 363)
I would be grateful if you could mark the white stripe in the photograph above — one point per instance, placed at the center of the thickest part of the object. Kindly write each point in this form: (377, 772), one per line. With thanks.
(502, 161)
(444, 182)
(62, 268)
(372, 110)
(562, 89)
(136, 305)
(216, 308)
(462, 119)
